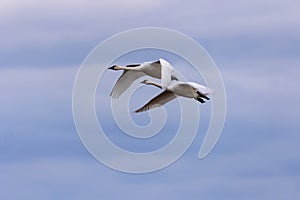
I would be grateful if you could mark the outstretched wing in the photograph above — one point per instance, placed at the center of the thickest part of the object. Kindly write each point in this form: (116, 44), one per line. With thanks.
(157, 101)
(166, 73)
(124, 82)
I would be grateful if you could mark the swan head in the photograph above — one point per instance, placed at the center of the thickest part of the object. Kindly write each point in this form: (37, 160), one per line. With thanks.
(145, 82)
(115, 67)
(174, 78)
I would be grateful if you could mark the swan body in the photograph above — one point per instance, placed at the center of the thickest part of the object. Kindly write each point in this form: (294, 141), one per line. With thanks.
(184, 89)
(160, 69)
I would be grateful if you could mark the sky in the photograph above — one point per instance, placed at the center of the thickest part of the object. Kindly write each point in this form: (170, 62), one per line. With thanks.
(255, 45)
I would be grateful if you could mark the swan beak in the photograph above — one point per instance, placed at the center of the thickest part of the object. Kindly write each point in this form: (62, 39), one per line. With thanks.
(112, 68)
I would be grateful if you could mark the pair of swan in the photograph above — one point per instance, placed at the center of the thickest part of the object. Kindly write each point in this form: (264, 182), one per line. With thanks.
(163, 70)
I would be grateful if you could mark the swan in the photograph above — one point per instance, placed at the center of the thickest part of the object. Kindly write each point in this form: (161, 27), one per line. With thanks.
(184, 89)
(160, 69)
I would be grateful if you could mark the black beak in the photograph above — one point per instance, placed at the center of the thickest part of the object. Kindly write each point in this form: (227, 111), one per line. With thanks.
(112, 68)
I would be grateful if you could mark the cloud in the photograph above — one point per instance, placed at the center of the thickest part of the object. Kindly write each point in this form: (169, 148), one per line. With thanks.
(269, 88)
(49, 23)
(255, 46)
(29, 24)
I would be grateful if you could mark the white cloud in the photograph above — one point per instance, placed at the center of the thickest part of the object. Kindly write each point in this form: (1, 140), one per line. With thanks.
(36, 23)
(255, 162)
(46, 23)
(262, 94)
(12, 7)
(235, 18)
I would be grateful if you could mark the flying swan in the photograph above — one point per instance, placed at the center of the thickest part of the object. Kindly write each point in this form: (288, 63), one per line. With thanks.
(160, 69)
(184, 89)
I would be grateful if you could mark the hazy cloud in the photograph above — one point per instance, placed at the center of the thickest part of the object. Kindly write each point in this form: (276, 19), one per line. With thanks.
(255, 44)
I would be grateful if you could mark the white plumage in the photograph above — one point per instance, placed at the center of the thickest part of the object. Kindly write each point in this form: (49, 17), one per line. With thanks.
(160, 69)
(184, 89)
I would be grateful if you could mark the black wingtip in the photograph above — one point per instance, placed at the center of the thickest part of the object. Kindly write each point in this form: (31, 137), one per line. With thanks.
(142, 109)
(138, 110)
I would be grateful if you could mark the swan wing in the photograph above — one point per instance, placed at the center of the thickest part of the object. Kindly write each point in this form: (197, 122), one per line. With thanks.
(124, 82)
(157, 101)
(166, 73)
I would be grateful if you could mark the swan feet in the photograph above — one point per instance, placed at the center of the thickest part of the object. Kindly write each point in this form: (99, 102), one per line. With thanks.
(201, 97)
(200, 100)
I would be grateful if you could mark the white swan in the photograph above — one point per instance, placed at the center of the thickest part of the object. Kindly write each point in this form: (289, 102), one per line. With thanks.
(160, 69)
(184, 89)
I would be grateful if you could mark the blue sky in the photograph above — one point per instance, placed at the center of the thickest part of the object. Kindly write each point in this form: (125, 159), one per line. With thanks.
(256, 47)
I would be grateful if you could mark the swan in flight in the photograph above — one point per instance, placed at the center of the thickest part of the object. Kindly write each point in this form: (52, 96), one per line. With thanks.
(184, 89)
(160, 69)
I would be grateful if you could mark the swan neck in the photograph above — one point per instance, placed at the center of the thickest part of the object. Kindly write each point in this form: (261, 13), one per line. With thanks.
(155, 84)
(124, 68)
